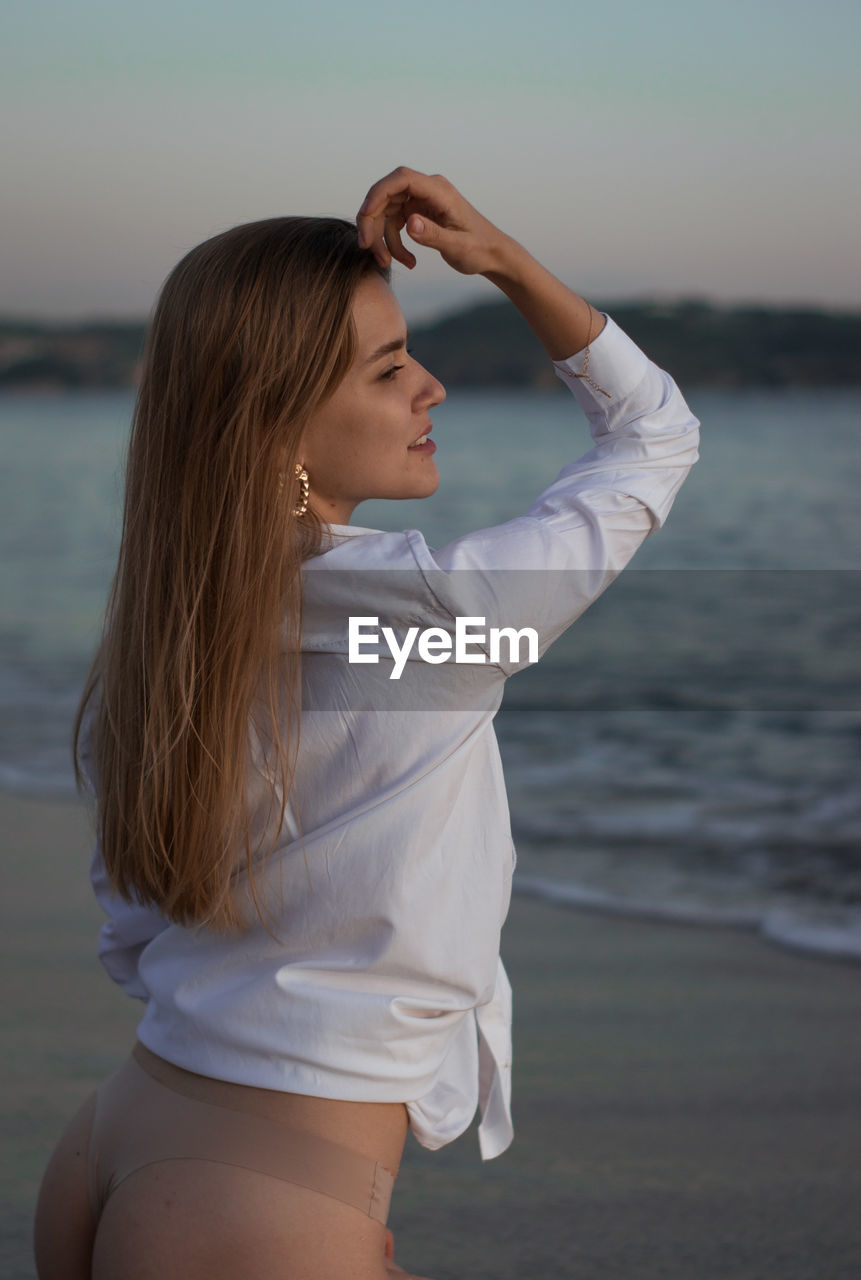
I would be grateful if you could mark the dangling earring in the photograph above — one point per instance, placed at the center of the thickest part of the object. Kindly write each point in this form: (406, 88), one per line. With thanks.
(304, 488)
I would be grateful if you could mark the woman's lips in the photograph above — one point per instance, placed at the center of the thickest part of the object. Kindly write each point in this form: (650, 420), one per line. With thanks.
(428, 446)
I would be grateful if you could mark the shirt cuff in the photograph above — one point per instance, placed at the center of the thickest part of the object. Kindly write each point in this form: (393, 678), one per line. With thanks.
(616, 365)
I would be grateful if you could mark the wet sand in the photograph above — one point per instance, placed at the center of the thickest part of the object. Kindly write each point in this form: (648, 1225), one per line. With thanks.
(687, 1101)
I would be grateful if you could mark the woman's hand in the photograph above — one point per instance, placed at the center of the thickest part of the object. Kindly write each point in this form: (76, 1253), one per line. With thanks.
(392, 1268)
(435, 214)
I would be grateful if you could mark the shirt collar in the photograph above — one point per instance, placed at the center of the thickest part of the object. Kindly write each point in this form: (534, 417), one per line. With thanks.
(351, 529)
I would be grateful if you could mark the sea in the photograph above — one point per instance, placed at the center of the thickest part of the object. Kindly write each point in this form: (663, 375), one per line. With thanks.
(689, 750)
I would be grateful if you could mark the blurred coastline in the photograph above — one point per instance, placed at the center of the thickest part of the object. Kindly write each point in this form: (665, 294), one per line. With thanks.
(490, 345)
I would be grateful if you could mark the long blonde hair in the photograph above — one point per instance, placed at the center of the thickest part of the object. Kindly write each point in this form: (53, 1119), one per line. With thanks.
(251, 333)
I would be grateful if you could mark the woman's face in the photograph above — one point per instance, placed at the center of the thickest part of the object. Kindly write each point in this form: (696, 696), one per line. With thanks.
(358, 444)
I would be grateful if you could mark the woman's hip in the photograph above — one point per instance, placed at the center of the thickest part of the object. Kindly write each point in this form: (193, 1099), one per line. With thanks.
(150, 1112)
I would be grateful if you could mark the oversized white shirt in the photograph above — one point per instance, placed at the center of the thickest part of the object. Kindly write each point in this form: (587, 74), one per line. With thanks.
(384, 982)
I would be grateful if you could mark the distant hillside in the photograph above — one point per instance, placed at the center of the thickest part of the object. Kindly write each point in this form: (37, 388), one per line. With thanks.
(491, 345)
(35, 356)
(701, 345)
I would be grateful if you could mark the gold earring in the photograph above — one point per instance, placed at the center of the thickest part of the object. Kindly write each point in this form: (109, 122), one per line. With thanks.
(304, 489)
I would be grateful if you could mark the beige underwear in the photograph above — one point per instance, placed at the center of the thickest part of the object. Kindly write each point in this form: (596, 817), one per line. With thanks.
(149, 1111)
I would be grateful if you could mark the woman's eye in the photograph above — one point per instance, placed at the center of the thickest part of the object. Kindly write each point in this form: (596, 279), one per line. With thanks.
(389, 375)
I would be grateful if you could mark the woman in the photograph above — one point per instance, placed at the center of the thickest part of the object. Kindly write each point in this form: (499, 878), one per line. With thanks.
(307, 866)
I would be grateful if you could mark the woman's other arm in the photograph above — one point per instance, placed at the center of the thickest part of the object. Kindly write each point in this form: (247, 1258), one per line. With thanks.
(129, 928)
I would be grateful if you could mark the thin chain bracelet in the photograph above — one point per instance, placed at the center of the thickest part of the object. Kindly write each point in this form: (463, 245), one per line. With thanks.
(585, 374)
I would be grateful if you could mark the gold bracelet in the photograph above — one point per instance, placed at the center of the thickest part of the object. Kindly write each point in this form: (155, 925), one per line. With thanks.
(585, 374)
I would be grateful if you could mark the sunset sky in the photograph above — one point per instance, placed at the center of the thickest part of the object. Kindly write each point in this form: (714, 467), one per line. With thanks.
(679, 149)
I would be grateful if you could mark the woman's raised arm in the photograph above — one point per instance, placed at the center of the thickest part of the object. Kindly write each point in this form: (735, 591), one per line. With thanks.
(436, 215)
(581, 531)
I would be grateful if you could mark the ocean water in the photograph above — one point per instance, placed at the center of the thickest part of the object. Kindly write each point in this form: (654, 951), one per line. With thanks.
(689, 749)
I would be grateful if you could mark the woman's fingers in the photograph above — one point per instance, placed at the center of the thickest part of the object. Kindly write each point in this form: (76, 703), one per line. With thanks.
(396, 247)
(381, 215)
(462, 237)
(392, 1268)
(391, 192)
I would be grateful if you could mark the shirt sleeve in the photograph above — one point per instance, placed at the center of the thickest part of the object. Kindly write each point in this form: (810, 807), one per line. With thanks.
(544, 568)
(129, 928)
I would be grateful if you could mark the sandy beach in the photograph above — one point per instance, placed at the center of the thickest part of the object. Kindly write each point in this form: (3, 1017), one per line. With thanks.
(687, 1101)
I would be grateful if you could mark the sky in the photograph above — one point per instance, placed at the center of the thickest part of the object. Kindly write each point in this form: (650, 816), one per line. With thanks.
(674, 149)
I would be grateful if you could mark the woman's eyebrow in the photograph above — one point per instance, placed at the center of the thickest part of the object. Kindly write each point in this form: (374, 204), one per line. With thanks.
(388, 347)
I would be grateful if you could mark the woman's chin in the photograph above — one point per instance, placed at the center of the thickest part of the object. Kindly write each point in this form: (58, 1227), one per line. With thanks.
(430, 482)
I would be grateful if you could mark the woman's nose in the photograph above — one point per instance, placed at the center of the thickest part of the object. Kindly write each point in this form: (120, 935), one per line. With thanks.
(432, 390)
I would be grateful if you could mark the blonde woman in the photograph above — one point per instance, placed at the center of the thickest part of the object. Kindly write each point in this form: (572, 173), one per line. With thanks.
(304, 846)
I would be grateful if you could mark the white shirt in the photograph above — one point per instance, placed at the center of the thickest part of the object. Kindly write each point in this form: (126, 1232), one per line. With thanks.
(386, 984)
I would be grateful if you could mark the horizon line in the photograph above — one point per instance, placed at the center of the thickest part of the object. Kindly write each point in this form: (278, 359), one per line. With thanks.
(673, 301)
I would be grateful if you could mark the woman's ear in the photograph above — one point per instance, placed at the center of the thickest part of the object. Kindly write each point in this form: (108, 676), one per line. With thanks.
(282, 457)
